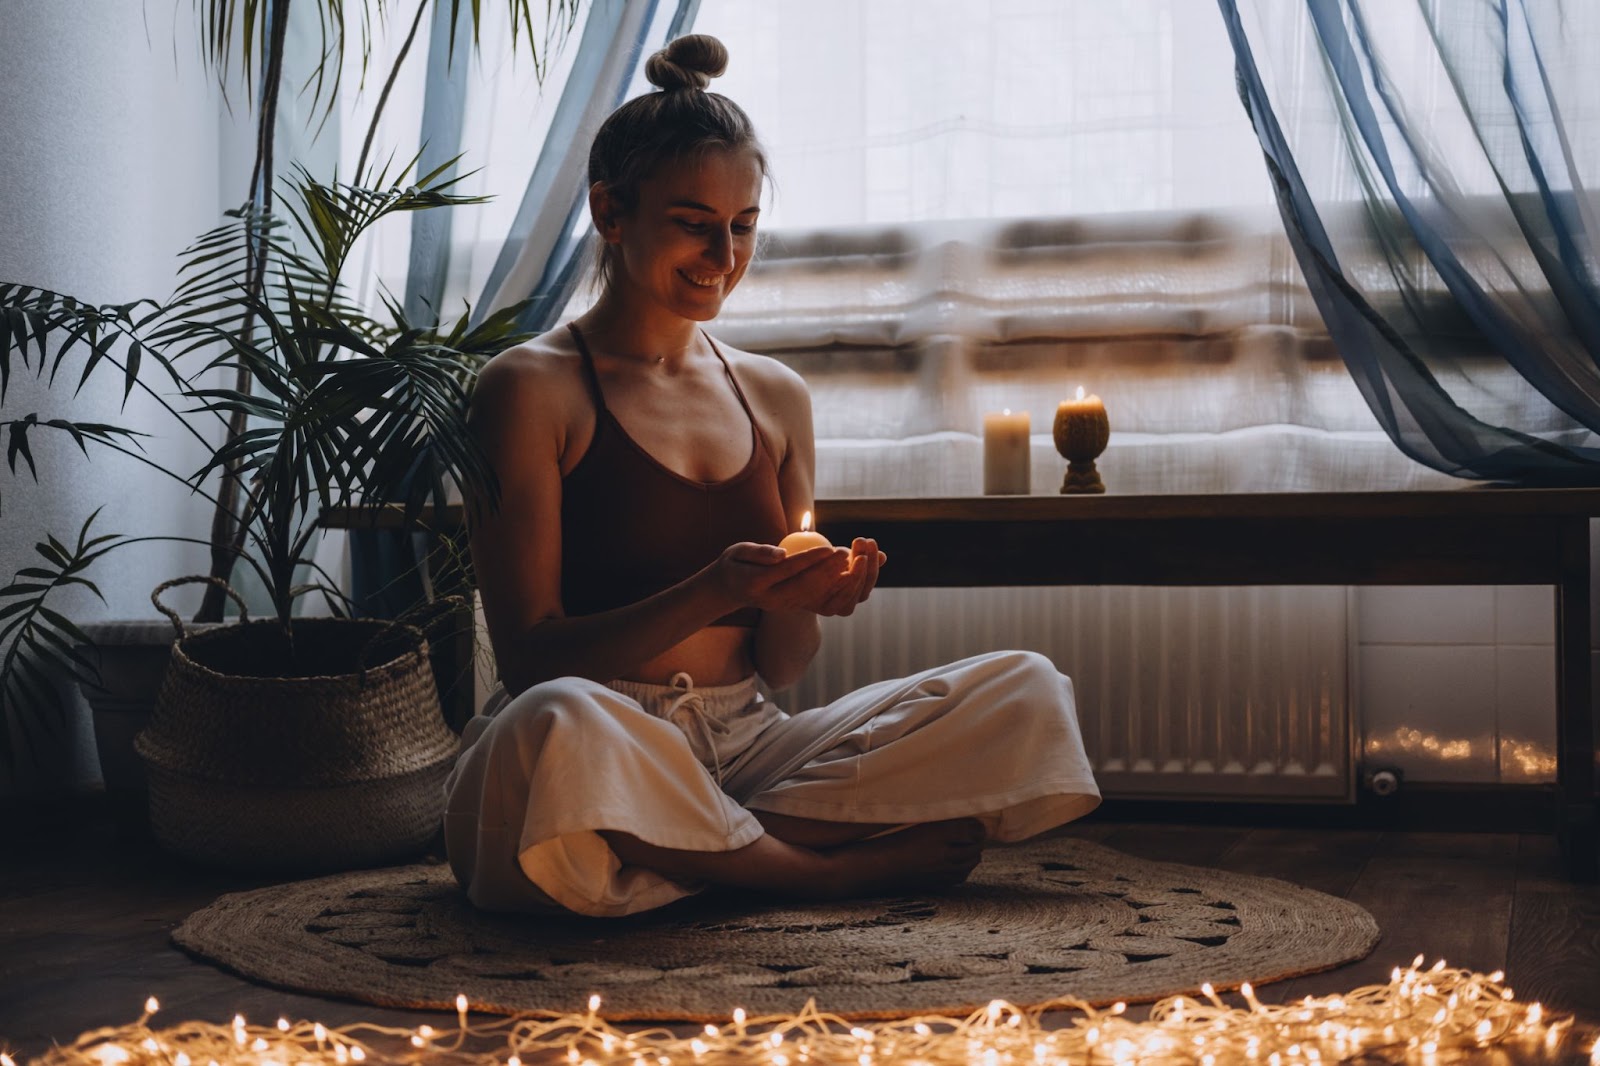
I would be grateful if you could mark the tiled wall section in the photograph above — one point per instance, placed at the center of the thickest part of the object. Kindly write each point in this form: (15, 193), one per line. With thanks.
(1458, 684)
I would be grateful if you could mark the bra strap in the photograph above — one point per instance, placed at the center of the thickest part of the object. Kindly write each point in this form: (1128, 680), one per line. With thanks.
(737, 391)
(588, 368)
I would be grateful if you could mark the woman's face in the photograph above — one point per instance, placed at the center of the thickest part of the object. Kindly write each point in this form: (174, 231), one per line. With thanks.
(687, 242)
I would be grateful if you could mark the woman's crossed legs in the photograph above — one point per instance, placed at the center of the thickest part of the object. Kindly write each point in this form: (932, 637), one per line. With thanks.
(811, 859)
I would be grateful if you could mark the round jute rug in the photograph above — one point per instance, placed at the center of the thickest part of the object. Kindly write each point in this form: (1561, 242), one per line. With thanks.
(1035, 922)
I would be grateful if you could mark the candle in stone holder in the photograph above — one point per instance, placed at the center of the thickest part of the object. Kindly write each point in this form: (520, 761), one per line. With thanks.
(1081, 433)
(1005, 453)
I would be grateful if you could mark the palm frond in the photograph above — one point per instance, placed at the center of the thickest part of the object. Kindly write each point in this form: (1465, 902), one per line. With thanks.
(211, 272)
(478, 344)
(560, 17)
(246, 25)
(82, 433)
(214, 278)
(31, 318)
(227, 26)
(41, 645)
(411, 436)
(334, 215)
(343, 414)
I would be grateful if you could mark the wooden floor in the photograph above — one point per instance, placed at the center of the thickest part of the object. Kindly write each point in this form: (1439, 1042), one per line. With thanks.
(85, 908)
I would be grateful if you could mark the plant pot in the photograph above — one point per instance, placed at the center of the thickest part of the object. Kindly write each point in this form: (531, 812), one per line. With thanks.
(323, 750)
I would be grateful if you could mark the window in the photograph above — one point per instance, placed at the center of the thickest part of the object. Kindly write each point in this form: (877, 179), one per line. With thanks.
(902, 111)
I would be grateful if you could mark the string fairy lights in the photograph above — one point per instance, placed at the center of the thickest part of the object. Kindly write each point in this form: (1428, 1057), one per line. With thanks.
(1426, 1016)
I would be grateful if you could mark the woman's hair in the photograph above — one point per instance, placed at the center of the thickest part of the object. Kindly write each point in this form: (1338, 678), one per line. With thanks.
(679, 121)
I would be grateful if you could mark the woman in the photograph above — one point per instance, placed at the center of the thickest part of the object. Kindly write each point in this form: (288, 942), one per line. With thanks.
(634, 595)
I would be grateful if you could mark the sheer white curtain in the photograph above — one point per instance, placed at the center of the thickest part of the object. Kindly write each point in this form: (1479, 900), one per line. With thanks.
(897, 111)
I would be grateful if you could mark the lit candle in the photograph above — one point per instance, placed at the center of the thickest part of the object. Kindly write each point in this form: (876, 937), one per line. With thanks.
(1081, 406)
(805, 538)
(1081, 432)
(1005, 453)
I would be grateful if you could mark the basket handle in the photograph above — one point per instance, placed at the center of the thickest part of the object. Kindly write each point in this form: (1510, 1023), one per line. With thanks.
(177, 621)
(431, 613)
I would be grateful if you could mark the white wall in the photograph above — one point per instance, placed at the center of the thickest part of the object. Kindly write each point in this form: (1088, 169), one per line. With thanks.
(112, 134)
(113, 139)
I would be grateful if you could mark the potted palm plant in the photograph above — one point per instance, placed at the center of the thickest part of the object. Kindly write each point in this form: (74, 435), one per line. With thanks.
(329, 405)
(343, 409)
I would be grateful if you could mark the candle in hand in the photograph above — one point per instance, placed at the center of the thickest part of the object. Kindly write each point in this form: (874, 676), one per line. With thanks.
(805, 538)
(1005, 453)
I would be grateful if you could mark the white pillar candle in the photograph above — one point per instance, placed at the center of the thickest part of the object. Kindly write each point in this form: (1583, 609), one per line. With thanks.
(1006, 469)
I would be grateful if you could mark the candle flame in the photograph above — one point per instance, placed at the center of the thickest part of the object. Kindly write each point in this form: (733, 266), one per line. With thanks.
(1080, 392)
(805, 522)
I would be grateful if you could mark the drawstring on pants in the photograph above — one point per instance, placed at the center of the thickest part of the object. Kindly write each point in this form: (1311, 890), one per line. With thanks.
(689, 706)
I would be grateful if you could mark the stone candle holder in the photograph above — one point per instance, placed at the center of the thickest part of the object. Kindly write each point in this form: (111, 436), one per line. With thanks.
(1081, 432)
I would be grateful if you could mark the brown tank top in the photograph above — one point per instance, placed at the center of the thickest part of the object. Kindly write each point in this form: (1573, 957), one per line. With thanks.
(631, 527)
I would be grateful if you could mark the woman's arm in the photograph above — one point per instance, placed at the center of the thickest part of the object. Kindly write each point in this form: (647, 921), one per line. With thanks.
(787, 640)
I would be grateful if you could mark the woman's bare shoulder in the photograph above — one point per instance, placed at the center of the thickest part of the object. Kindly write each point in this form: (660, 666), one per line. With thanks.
(539, 358)
(541, 373)
(777, 382)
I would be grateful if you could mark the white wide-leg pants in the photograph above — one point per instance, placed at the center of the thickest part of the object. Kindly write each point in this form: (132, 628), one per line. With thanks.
(994, 737)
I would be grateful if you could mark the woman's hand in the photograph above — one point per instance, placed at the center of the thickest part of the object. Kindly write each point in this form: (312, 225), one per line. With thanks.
(761, 575)
(825, 581)
(860, 577)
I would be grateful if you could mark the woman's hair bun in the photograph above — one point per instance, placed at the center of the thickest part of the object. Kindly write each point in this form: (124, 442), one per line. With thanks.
(688, 62)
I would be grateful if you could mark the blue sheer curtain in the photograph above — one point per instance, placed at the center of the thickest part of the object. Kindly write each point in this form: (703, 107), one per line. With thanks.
(1435, 168)
(542, 255)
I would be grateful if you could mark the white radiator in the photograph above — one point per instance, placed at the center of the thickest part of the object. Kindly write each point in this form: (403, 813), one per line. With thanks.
(1212, 693)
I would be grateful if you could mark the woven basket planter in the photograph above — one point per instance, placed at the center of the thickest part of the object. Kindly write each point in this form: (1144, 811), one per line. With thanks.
(340, 766)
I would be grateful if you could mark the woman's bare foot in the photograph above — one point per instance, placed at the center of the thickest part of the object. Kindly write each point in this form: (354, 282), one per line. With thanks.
(933, 855)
